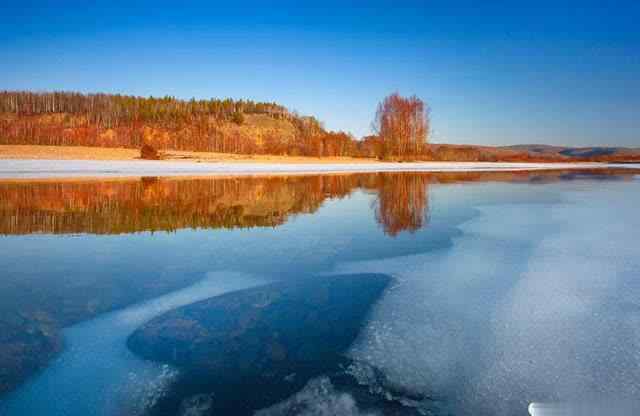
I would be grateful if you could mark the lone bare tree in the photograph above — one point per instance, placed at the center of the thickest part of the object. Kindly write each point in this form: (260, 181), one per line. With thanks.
(402, 125)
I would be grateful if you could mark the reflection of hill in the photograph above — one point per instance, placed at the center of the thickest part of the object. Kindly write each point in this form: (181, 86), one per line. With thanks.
(170, 204)
(152, 204)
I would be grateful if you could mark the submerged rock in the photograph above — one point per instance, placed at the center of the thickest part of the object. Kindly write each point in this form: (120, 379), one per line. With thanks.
(256, 347)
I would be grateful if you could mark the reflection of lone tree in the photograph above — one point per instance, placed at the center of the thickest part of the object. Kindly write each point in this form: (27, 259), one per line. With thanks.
(403, 202)
(402, 125)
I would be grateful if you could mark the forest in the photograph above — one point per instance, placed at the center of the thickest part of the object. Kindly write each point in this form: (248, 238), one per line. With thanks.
(401, 127)
(105, 120)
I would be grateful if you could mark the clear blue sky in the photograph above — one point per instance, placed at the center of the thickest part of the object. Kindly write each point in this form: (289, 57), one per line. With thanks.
(500, 73)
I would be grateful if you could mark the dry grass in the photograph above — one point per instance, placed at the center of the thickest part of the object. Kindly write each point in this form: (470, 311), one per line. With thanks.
(104, 153)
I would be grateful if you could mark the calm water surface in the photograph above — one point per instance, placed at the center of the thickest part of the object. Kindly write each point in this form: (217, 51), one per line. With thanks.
(506, 288)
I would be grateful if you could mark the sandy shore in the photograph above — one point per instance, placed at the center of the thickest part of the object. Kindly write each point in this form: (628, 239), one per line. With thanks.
(107, 153)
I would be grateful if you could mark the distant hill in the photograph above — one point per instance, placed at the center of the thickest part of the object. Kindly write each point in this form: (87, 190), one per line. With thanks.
(597, 152)
(531, 153)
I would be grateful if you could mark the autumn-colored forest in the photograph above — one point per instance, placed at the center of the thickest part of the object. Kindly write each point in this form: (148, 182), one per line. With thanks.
(402, 129)
(226, 126)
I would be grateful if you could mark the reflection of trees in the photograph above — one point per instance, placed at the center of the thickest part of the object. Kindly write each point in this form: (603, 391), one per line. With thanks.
(157, 204)
(153, 204)
(169, 204)
(403, 202)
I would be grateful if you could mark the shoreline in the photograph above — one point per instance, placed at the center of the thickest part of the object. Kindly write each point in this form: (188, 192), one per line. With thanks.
(37, 152)
(56, 168)
(19, 162)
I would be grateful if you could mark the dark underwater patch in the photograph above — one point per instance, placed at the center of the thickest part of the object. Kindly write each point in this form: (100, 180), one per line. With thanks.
(252, 348)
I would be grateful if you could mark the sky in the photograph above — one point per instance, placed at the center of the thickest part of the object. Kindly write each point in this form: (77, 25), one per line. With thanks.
(496, 73)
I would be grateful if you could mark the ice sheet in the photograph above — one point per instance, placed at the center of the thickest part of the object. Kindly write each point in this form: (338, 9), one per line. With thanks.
(18, 168)
(534, 302)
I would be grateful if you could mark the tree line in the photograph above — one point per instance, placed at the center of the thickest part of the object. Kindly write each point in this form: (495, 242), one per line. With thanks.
(214, 125)
(107, 120)
(401, 129)
(113, 109)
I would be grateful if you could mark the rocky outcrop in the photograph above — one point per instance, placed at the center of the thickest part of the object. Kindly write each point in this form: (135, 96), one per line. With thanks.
(253, 348)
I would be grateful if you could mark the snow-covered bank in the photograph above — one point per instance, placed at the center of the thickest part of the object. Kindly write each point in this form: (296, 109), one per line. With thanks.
(26, 169)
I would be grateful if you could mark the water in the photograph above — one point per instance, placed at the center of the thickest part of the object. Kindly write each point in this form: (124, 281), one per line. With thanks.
(96, 374)
(508, 289)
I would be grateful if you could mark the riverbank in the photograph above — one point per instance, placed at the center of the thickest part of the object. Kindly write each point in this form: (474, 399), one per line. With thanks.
(448, 153)
(111, 153)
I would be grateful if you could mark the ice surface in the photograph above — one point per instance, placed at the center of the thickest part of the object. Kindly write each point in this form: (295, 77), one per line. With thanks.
(18, 168)
(533, 302)
(96, 374)
(317, 398)
(535, 297)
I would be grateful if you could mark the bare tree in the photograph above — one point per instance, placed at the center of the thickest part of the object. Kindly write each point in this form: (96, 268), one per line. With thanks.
(402, 125)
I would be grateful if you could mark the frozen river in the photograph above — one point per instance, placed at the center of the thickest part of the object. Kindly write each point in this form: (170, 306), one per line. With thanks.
(16, 168)
(506, 290)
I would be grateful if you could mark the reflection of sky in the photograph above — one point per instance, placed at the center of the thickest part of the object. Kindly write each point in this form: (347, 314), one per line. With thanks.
(499, 73)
